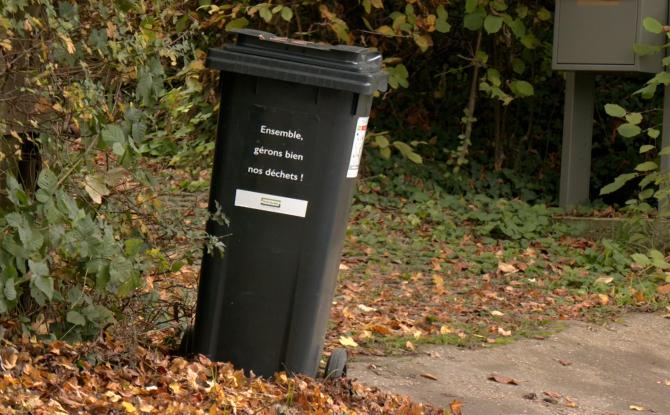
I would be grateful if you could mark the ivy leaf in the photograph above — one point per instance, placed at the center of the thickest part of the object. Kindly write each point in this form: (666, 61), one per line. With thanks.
(644, 49)
(658, 259)
(646, 148)
(10, 290)
(634, 118)
(113, 133)
(492, 24)
(646, 166)
(265, 13)
(522, 88)
(47, 181)
(471, 6)
(641, 259)
(45, 285)
(75, 318)
(618, 183)
(287, 14)
(473, 21)
(614, 110)
(652, 25)
(628, 130)
(240, 23)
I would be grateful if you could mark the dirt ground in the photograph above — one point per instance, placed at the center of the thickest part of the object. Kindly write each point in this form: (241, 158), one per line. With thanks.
(617, 368)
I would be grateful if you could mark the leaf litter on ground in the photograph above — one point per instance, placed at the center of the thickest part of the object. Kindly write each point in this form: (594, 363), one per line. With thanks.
(106, 376)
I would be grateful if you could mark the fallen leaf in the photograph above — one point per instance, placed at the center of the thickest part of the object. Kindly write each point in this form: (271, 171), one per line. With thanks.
(502, 379)
(428, 376)
(365, 308)
(569, 402)
(129, 407)
(564, 362)
(603, 299)
(663, 289)
(604, 280)
(445, 330)
(554, 395)
(379, 329)
(666, 382)
(410, 346)
(504, 332)
(506, 268)
(348, 341)
(637, 408)
(497, 313)
(455, 407)
(439, 284)
(343, 267)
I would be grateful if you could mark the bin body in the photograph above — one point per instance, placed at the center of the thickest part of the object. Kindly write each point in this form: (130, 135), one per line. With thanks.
(286, 158)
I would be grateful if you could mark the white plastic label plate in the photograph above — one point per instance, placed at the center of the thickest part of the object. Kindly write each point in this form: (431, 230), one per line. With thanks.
(270, 203)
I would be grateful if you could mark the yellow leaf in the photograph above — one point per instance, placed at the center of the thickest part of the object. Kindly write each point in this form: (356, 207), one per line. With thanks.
(604, 299)
(175, 388)
(410, 346)
(385, 30)
(637, 408)
(68, 43)
(6, 44)
(129, 407)
(445, 330)
(439, 284)
(497, 313)
(348, 341)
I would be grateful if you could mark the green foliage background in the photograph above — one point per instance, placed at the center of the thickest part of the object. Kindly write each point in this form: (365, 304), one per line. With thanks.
(106, 82)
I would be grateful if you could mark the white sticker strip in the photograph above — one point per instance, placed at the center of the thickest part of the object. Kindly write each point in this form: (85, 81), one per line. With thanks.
(357, 148)
(270, 203)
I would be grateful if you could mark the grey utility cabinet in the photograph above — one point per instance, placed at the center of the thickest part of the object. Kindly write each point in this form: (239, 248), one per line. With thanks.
(598, 35)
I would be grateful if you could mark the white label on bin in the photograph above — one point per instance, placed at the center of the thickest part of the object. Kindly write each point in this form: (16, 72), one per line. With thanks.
(357, 148)
(270, 203)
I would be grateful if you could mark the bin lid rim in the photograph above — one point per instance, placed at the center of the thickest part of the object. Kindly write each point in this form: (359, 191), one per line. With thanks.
(344, 57)
(255, 65)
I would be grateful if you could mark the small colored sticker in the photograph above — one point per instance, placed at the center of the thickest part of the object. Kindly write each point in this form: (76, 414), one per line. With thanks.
(357, 148)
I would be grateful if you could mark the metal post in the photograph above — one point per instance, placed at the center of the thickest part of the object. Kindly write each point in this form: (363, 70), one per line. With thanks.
(577, 136)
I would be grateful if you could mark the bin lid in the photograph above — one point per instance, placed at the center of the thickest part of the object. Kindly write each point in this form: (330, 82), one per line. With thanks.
(349, 68)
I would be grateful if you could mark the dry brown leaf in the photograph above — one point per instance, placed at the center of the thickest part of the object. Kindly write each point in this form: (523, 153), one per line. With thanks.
(564, 362)
(455, 407)
(506, 268)
(504, 332)
(410, 346)
(639, 408)
(663, 289)
(428, 376)
(554, 395)
(505, 380)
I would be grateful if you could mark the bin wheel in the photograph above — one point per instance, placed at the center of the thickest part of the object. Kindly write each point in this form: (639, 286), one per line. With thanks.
(337, 364)
(186, 345)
